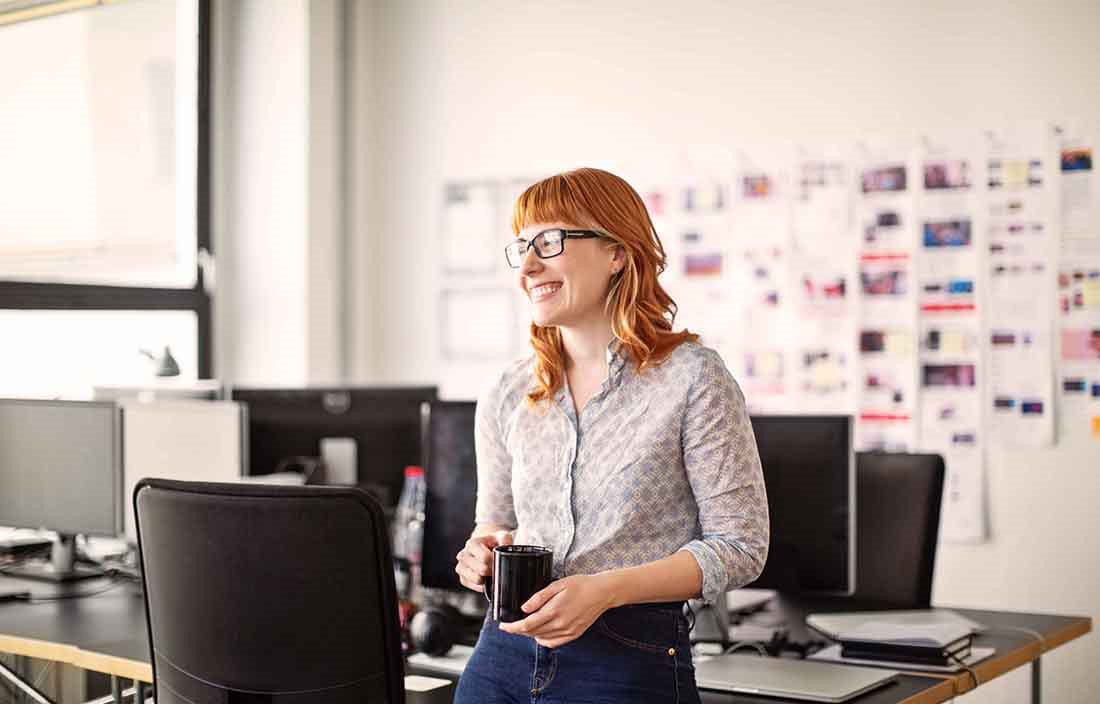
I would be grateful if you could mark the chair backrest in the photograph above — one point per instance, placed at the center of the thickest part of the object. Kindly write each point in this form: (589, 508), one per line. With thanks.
(897, 527)
(273, 594)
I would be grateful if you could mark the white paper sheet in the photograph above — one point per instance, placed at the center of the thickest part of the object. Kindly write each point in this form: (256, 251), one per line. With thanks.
(886, 228)
(1021, 263)
(1079, 283)
(471, 241)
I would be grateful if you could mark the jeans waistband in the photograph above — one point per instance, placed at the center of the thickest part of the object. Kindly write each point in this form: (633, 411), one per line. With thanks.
(676, 606)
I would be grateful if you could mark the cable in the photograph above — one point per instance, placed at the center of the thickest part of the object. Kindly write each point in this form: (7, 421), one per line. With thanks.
(1000, 629)
(81, 595)
(746, 644)
(968, 668)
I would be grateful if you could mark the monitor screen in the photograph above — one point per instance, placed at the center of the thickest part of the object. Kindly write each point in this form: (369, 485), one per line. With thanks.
(199, 441)
(809, 473)
(60, 466)
(450, 470)
(375, 429)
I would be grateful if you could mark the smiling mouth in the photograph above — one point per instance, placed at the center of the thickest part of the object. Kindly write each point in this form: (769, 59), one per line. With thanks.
(543, 292)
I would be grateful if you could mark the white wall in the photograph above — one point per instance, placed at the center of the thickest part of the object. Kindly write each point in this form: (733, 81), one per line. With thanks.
(502, 89)
(278, 191)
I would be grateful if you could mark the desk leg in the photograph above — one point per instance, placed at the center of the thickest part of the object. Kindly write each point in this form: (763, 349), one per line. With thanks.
(25, 688)
(116, 690)
(139, 692)
(1036, 681)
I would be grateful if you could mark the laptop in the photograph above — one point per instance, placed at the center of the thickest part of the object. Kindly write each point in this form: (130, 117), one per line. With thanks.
(792, 679)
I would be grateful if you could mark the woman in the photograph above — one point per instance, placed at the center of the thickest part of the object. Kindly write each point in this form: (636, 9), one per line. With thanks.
(621, 445)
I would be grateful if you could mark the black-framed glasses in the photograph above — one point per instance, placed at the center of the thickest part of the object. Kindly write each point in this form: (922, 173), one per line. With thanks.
(548, 243)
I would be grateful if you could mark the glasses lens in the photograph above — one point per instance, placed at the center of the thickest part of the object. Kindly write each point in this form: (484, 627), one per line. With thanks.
(549, 243)
(515, 251)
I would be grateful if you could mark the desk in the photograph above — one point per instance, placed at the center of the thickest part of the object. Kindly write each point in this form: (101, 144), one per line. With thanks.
(106, 633)
(102, 633)
(1015, 646)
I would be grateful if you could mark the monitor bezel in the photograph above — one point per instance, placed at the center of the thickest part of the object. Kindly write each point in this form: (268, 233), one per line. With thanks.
(116, 464)
(849, 425)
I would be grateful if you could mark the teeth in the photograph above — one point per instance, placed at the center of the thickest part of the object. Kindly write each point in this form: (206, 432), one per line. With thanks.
(544, 290)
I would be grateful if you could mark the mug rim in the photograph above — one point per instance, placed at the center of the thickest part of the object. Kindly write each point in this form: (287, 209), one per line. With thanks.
(523, 550)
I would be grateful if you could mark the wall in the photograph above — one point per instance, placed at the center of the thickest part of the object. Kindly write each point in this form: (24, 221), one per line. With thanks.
(278, 197)
(494, 89)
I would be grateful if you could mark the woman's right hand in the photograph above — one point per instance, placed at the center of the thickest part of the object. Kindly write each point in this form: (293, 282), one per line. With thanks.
(475, 560)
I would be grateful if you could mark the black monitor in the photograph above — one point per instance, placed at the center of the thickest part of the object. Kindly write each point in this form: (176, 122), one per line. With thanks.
(376, 430)
(809, 473)
(61, 470)
(450, 470)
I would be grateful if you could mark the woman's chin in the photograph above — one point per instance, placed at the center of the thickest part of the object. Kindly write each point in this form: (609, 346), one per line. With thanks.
(544, 318)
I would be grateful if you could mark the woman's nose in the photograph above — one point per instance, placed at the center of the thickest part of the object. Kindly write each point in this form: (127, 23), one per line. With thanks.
(531, 261)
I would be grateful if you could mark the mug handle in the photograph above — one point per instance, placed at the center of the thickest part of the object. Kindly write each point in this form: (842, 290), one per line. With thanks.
(488, 581)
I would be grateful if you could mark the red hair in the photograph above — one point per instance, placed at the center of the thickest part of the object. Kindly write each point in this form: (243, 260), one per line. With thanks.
(642, 312)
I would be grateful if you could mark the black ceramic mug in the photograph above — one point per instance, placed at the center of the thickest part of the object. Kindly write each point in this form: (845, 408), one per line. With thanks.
(519, 572)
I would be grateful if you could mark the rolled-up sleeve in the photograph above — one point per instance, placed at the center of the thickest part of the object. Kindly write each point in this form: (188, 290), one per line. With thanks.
(494, 463)
(723, 468)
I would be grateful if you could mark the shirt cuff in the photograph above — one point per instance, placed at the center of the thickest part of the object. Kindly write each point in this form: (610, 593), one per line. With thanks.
(715, 578)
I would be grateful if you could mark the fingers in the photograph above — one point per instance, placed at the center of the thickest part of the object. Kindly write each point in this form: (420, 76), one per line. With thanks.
(470, 579)
(533, 624)
(475, 560)
(539, 598)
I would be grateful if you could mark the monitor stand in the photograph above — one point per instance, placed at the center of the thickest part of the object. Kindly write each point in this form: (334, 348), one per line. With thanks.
(712, 622)
(61, 567)
(781, 623)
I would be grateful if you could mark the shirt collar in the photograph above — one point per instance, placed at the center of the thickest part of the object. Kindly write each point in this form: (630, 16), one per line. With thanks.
(616, 357)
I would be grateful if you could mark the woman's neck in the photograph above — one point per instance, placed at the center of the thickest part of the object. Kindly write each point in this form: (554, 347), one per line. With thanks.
(586, 347)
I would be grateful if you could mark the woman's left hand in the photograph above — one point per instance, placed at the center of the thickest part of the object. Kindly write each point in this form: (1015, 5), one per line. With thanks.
(563, 611)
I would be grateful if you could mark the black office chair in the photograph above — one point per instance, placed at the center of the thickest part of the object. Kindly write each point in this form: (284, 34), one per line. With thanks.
(897, 527)
(273, 594)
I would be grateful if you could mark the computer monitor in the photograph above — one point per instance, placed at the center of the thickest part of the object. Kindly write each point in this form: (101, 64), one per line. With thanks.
(809, 474)
(366, 435)
(203, 441)
(450, 471)
(60, 469)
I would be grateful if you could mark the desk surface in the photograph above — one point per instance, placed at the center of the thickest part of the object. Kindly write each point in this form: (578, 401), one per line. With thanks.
(106, 633)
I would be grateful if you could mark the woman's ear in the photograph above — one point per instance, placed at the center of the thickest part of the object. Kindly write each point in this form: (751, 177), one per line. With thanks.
(618, 259)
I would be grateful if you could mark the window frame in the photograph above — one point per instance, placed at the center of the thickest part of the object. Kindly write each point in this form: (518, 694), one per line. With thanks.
(25, 295)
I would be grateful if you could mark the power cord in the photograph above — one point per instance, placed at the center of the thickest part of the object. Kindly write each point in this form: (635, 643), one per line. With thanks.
(973, 674)
(747, 644)
(1000, 629)
(114, 583)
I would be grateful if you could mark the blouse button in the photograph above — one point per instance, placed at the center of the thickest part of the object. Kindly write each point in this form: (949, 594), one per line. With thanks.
(672, 652)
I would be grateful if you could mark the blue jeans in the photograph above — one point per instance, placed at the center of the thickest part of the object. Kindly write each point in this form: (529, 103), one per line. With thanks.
(632, 654)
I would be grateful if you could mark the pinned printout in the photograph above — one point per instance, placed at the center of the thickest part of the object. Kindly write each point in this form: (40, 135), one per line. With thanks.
(471, 240)
(1021, 285)
(824, 252)
(1079, 375)
(885, 224)
(1079, 190)
(950, 278)
(951, 413)
(760, 269)
(1079, 283)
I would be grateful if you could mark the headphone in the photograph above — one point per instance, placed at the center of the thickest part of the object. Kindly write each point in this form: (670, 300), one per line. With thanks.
(434, 629)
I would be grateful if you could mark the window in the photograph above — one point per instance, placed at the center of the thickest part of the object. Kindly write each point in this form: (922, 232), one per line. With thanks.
(104, 183)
